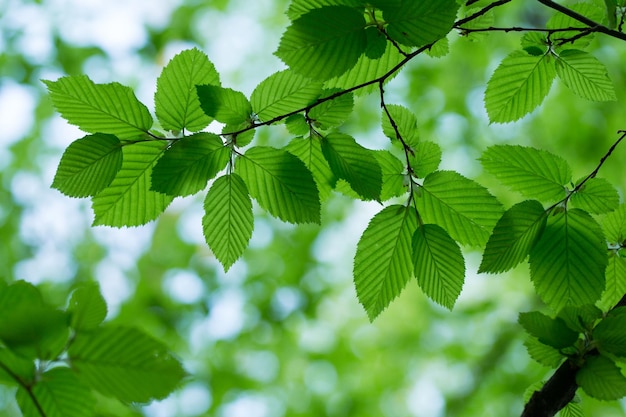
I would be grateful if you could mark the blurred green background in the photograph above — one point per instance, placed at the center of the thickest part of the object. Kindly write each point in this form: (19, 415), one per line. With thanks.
(281, 334)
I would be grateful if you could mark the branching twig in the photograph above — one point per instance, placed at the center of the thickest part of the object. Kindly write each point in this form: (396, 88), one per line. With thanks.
(602, 161)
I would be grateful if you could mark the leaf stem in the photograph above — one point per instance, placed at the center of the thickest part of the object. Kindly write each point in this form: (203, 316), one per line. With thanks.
(26, 386)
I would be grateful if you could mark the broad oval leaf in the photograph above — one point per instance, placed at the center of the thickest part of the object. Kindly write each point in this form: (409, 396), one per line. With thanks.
(129, 200)
(100, 108)
(550, 331)
(325, 42)
(125, 363)
(357, 165)
(228, 220)
(309, 151)
(519, 84)
(438, 264)
(568, 262)
(425, 159)
(87, 307)
(332, 113)
(176, 99)
(224, 104)
(417, 23)
(383, 261)
(513, 237)
(596, 196)
(534, 173)
(585, 76)
(189, 163)
(601, 378)
(281, 183)
(88, 165)
(464, 208)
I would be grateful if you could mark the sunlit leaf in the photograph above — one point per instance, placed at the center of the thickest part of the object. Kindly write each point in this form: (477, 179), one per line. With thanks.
(309, 151)
(585, 76)
(417, 23)
(334, 112)
(299, 7)
(615, 281)
(224, 104)
(614, 225)
(596, 196)
(393, 175)
(87, 307)
(405, 122)
(542, 353)
(425, 158)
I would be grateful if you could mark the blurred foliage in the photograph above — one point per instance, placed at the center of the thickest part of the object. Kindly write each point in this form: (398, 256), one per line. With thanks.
(282, 333)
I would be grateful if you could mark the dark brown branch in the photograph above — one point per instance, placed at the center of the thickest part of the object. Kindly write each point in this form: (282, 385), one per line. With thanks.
(480, 12)
(555, 394)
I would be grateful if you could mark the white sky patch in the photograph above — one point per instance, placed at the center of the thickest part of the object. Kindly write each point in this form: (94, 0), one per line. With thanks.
(248, 405)
(225, 320)
(114, 285)
(183, 286)
(17, 107)
(194, 399)
(49, 264)
(425, 400)
(125, 245)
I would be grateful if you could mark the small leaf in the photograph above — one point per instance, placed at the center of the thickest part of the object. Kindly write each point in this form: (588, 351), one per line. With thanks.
(383, 261)
(513, 237)
(534, 43)
(228, 219)
(100, 108)
(615, 281)
(88, 165)
(309, 151)
(297, 125)
(125, 363)
(405, 121)
(596, 196)
(549, 331)
(325, 42)
(585, 76)
(439, 264)
(376, 42)
(518, 86)
(580, 318)
(188, 164)
(602, 379)
(542, 353)
(610, 335)
(129, 200)
(393, 175)
(425, 159)
(534, 173)
(568, 262)
(357, 165)
(224, 104)
(334, 112)
(58, 394)
(614, 225)
(282, 93)
(87, 307)
(281, 184)
(464, 208)
(176, 99)
(417, 23)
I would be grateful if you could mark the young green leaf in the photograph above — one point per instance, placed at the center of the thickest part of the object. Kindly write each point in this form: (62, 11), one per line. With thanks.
(549, 331)
(176, 99)
(393, 175)
(88, 165)
(513, 237)
(58, 393)
(438, 264)
(615, 281)
(100, 108)
(417, 23)
(324, 43)
(601, 378)
(464, 208)
(614, 225)
(383, 262)
(518, 86)
(332, 113)
(224, 104)
(188, 164)
(282, 93)
(357, 165)
(596, 196)
(585, 76)
(542, 353)
(125, 363)
(309, 151)
(405, 121)
(534, 173)
(87, 307)
(281, 184)
(568, 262)
(129, 200)
(425, 159)
(610, 335)
(228, 221)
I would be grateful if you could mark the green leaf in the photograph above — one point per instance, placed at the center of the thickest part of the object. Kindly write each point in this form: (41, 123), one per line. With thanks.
(299, 7)
(376, 42)
(228, 219)
(561, 20)
(534, 43)
(610, 335)
(100, 108)
(534, 173)
(224, 104)
(405, 122)
(125, 363)
(425, 159)
(282, 93)
(383, 262)
(87, 307)
(464, 208)
(324, 43)
(513, 237)
(438, 264)
(189, 163)
(596, 196)
(615, 281)
(518, 86)
(580, 318)
(417, 23)
(393, 175)
(439, 49)
(549, 331)
(614, 225)
(88, 165)
(542, 353)
(239, 139)
(334, 112)
(309, 151)
(176, 99)
(568, 262)
(601, 378)
(297, 125)
(12, 365)
(281, 184)
(129, 200)
(357, 165)
(585, 76)
(572, 409)
(58, 393)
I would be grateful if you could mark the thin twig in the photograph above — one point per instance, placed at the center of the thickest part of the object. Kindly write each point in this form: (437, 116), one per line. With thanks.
(602, 161)
(25, 386)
